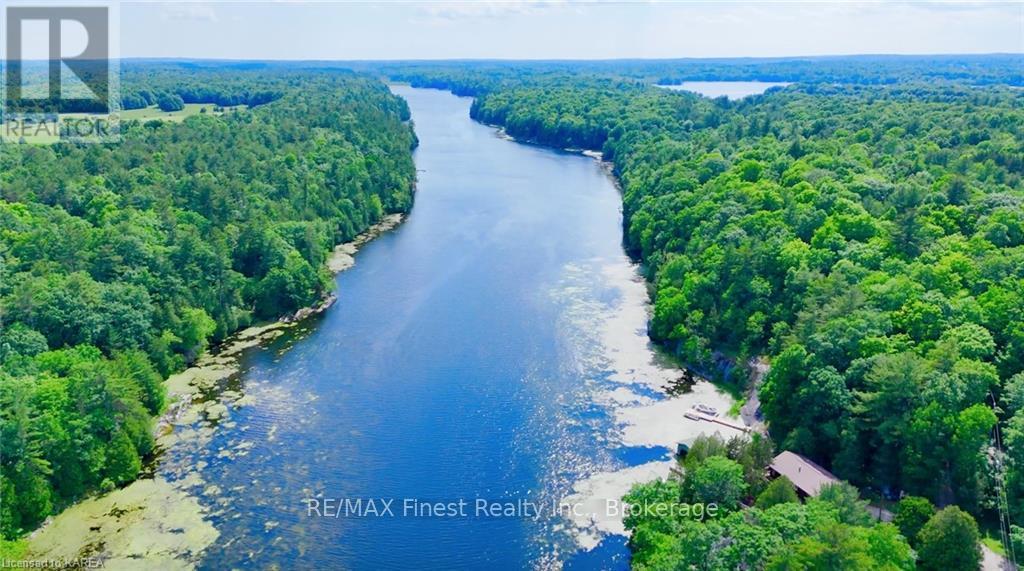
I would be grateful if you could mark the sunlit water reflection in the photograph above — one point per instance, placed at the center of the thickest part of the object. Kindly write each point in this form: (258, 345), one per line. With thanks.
(493, 346)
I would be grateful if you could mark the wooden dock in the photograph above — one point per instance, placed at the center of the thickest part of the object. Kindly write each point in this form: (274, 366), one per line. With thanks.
(695, 415)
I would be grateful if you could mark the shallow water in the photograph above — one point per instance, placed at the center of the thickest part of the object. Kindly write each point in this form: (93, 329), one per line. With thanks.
(730, 89)
(492, 347)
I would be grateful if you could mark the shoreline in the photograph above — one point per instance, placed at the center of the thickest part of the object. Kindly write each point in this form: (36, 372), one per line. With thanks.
(341, 258)
(146, 518)
(184, 386)
(643, 421)
(756, 368)
(504, 134)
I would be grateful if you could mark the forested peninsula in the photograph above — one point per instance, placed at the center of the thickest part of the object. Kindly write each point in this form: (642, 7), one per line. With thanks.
(121, 264)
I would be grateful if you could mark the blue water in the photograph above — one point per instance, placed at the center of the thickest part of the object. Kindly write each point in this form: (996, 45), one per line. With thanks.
(457, 363)
(730, 89)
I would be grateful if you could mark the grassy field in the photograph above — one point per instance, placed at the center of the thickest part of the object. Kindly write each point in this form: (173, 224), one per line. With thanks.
(154, 112)
(991, 540)
(44, 132)
(190, 109)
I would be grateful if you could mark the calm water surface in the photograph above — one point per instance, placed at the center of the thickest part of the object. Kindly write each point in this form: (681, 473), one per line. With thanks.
(469, 356)
(731, 89)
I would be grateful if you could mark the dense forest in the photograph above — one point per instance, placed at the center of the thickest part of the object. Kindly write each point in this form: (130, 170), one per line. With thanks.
(861, 231)
(225, 86)
(120, 264)
(776, 531)
(866, 240)
(479, 77)
(146, 83)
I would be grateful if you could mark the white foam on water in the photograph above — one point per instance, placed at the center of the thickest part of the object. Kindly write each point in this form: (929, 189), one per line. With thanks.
(662, 423)
(594, 507)
(614, 345)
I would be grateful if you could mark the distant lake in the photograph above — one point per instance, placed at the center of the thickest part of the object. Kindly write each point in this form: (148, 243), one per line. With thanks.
(731, 89)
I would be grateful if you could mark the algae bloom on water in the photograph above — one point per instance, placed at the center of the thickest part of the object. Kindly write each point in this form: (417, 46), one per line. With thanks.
(150, 521)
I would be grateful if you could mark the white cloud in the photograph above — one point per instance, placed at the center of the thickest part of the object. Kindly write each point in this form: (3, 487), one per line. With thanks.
(188, 12)
(485, 9)
(538, 29)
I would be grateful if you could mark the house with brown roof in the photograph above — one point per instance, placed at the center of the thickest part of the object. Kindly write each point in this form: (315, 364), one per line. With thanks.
(807, 477)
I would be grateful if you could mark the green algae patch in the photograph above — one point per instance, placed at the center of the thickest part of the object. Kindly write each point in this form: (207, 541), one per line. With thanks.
(201, 377)
(13, 550)
(156, 523)
(190, 390)
(149, 521)
(245, 339)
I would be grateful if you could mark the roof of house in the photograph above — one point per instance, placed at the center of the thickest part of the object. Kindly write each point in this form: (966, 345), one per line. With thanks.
(807, 476)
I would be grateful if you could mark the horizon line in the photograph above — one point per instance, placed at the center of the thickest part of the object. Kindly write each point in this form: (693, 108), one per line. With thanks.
(565, 60)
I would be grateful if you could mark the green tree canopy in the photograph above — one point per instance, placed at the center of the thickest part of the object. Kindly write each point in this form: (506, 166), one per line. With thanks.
(779, 491)
(912, 513)
(949, 542)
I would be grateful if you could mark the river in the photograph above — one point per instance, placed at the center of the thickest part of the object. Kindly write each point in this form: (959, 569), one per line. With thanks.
(491, 348)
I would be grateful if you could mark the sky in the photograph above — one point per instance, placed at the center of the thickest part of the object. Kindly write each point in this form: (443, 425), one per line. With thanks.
(288, 29)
